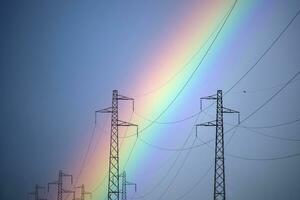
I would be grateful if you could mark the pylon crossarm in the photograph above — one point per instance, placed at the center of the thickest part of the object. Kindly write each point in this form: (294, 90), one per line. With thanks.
(105, 110)
(40, 187)
(212, 97)
(52, 183)
(124, 98)
(211, 123)
(134, 184)
(69, 191)
(64, 174)
(228, 110)
(88, 193)
(123, 123)
(68, 175)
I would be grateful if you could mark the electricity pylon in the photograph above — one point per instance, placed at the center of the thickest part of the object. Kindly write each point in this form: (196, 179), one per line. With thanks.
(83, 193)
(36, 192)
(113, 178)
(60, 188)
(219, 175)
(125, 183)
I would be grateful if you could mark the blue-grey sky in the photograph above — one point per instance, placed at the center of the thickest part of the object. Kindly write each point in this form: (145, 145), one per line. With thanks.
(60, 60)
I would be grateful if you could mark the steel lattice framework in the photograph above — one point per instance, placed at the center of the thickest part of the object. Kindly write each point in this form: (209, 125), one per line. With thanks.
(219, 179)
(113, 178)
(219, 175)
(83, 193)
(125, 183)
(60, 188)
(36, 192)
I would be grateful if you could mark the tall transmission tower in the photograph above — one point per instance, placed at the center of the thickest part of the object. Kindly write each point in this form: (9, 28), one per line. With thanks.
(125, 183)
(83, 193)
(219, 175)
(59, 183)
(36, 192)
(113, 178)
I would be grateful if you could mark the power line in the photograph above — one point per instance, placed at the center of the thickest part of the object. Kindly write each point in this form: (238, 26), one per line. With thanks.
(244, 75)
(203, 176)
(169, 170)
(169, 122)
(185, 65)
(86, 153)
(265, 159)
(266, 51)
(254, 112)
(196, 184)
(250, 115)
(274, 125)
(254, 130)
(176, 149)
(272, 136)
(272, 97)
(253, 67)
(235, 83)
(209, 141)
(193, 73)
(269, 100)
(174, 162)
(261, 89)
(85, 157)
(200, 179)
(177, 172)
(195, 114)
(180, 91)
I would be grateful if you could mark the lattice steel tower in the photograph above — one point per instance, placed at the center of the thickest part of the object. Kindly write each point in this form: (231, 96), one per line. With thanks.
(113, 178)
(59, 183)
(219, 175)
(36, 192)
(83, 193)
(125, 183)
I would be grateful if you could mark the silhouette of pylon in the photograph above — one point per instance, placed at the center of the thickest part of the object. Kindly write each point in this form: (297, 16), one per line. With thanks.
(36, 192)
(113, 178)
(60, 188)
(125, 183)
(83, 193)
(219, 174)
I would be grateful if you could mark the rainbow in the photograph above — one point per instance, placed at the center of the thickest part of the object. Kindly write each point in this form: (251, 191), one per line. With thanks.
(164, 72)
